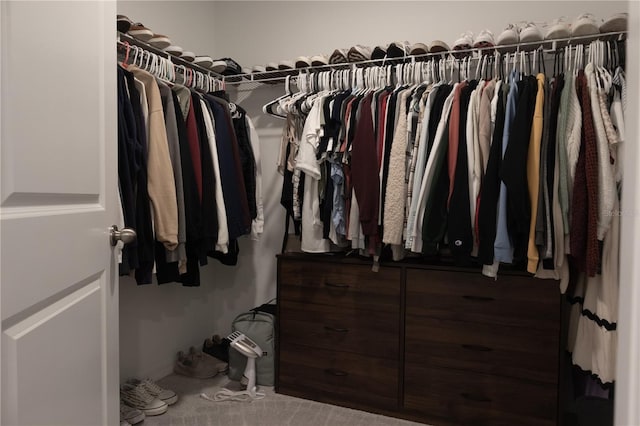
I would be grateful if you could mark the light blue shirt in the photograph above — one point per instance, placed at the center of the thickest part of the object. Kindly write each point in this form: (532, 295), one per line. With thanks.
(503, 247)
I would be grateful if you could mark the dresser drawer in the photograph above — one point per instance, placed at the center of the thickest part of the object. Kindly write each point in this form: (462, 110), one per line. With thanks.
(330, 327)
(325, 375)
(344, 286)
(471, 297)
(526, 353)
(477, 399)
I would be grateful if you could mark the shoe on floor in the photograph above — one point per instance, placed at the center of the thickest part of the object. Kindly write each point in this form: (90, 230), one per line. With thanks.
(130, 415)
(123, 23)
(140, 32)
(160, 41)
(198, 364)
(217, 347)
(138, 397)
(167, 396)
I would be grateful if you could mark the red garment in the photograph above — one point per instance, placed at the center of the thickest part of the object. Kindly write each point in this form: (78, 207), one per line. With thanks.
(584, 211)
(382, 113)
(454, 137)
(194, 147)
(364, 170)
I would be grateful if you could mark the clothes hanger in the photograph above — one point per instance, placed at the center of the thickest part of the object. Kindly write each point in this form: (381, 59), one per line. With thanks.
(268, 108)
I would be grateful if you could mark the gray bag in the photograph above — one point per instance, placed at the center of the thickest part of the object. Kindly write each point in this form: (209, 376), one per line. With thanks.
(259, 326)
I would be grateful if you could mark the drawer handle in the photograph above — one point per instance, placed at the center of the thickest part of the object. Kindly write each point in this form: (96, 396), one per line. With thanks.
(337, 285)
(478, 348)
(479, 298)
(337, 330)
(472, 397)
(335, 372)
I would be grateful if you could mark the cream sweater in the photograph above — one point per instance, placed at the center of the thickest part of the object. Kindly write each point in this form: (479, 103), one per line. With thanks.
(161, 183)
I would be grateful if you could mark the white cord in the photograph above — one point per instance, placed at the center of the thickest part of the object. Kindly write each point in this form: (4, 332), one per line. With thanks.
(229, 395)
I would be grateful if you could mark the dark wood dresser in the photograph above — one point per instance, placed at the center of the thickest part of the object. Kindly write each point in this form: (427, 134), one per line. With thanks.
(430, 343)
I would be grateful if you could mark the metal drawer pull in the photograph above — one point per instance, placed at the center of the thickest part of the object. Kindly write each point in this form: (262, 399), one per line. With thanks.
(337, 330)
(478, 348)
(337, 285)
(479, 298)
(472, 397)
(335, 372)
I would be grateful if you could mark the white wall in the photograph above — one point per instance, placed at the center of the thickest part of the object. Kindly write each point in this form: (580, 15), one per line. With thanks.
(257, 32)
(157, 321)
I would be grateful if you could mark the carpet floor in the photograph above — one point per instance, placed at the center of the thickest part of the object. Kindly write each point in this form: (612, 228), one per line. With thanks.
(274, 410)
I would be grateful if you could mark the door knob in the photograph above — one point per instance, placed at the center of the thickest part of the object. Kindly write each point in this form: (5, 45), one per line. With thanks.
(126, 235)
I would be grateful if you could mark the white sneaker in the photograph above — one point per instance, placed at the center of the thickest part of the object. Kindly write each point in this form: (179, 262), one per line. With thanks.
(510, 36)
(559, 28)
(167, 396)
(484, 39)
(130, 415)
(138, 397)
(584, 25)
(465, 41)
(531, 33)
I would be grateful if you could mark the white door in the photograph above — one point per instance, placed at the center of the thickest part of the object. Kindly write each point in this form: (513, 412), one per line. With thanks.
(58, 288)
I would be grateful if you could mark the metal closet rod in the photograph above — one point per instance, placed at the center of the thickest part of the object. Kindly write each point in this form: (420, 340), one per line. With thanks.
(122, 38)
(551, 45)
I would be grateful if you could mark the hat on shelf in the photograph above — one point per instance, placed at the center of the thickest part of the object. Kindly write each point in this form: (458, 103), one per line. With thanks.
(303, 62)
(418, 49)
(271, 66)
(319, 60)
(231, 67)
(559, 28)
(339, 56)
(398, 49)
(359, 53)
(438, 46)
(219, 66)
(379, 52)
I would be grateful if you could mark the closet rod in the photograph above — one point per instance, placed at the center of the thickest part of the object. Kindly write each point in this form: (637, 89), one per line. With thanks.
(551, 45)
(126, 38)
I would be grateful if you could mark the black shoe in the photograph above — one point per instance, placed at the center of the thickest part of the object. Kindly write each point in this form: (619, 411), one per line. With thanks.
(217, 347)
